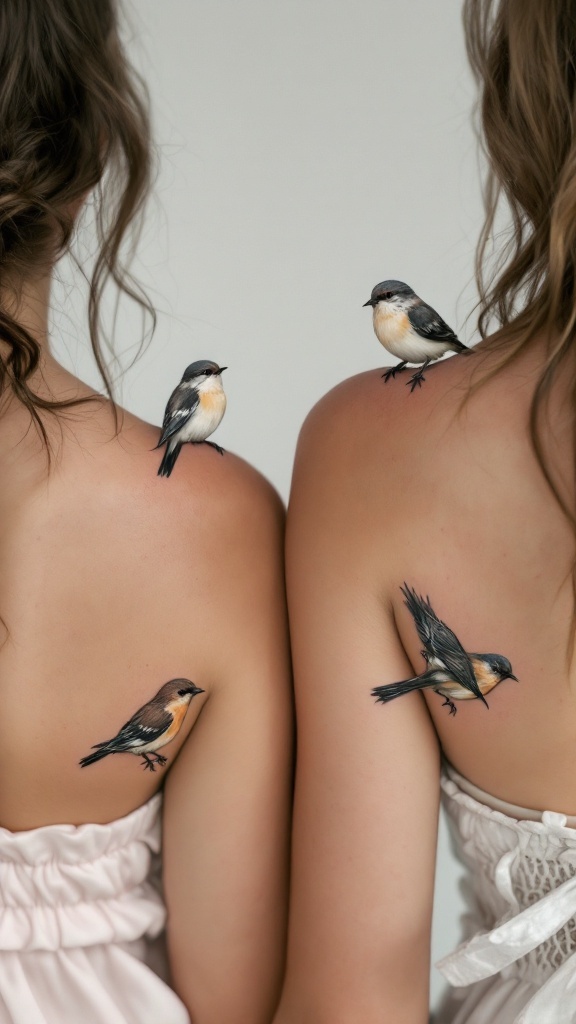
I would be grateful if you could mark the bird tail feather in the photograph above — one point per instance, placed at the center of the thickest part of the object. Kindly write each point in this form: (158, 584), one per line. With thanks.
(169, 460)
(392, 690)
(91, 758)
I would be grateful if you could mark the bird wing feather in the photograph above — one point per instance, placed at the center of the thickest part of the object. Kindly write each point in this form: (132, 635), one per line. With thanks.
(181, 405)
(440, 641)
(145, 726)
(426, 322)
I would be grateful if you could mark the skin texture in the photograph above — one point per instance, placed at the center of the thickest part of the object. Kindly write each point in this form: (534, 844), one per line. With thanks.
(392, 486)
(113, 581)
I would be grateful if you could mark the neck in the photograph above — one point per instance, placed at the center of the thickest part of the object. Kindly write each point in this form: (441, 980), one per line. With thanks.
(28, 303)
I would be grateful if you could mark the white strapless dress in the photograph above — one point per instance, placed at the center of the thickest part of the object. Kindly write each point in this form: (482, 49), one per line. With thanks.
(517, 964)
(81, 924)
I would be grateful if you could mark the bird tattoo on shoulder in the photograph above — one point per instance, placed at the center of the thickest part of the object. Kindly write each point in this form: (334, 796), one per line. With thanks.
(452, 672)
(195, 408)
(151, 727)
(410, 329)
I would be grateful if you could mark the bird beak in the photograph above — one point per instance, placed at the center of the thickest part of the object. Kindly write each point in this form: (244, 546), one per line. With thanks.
(512, 676)
(369, 303)
(222, 368)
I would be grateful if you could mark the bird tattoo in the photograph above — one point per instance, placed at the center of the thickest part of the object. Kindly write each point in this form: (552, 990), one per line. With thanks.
(151, 727)
(452, 672)
(195, 408)
(410, 329)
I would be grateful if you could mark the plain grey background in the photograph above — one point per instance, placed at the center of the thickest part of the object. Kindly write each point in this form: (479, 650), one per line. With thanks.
(307, 149)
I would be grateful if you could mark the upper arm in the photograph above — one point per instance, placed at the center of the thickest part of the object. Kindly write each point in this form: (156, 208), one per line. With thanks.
(227, 796)
(367, 786)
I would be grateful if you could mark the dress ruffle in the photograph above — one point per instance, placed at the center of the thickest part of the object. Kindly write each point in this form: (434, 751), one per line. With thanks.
(517, 964)
(81, 924)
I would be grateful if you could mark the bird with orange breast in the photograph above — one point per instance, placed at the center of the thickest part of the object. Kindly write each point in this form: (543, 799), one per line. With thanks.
(452, 673)
(151, 727)
(410, 329)
(195, 408)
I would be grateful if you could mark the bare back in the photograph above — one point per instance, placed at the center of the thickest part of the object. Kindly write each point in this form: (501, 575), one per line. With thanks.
(113, 583)
(87, 642)
(480, 531)
(448, 498)
(444, 497)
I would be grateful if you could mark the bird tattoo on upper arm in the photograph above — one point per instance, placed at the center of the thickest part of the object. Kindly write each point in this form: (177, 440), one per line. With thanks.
(195, 408)
(452, 673)
(151, 727)
(410, 329)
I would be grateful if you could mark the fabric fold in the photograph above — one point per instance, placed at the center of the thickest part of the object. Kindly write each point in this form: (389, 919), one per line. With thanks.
(81, 924)
(490, 952)
(517, 963)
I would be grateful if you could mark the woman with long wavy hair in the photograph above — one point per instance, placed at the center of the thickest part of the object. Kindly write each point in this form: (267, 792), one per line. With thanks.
(143, 666)
(431, 564)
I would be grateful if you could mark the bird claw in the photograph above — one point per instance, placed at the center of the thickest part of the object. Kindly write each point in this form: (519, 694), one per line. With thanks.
(451, 705)
(392, 371)
(415, 380)
(151, 764)
(217, 447)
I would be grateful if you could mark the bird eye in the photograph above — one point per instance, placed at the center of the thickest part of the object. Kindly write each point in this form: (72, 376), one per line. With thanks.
(182, 693)
(208, 373)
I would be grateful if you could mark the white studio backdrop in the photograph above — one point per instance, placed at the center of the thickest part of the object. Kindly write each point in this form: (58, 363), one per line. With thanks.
(307, 149)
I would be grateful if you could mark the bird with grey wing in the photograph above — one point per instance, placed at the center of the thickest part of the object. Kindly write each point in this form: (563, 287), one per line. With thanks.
(195, 408)
(410, 329)
(452, 673)
(151, 727)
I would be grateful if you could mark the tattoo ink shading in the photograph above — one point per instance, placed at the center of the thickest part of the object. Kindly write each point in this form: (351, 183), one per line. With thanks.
(452, 673)
(151, 727)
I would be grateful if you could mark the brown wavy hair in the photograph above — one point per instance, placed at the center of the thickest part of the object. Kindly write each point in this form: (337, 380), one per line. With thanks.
(523, 54)
(73, 121)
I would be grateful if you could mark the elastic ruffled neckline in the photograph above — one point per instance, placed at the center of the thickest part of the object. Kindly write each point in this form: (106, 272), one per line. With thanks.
(551, 822)
(88, 841)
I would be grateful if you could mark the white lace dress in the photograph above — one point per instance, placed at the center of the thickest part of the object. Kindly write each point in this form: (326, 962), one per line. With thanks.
(517, 964)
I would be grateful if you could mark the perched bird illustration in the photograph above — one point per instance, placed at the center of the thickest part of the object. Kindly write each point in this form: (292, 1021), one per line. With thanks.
(452, 673)
(151, 727)
(409, 329)
(195, 408)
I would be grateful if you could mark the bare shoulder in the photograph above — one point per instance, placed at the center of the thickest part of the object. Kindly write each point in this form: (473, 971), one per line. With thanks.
(363, 410)
(346, 410)
(206, 492)
(237, 497)
(379, 467)
(360, 427)
(366, 426)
